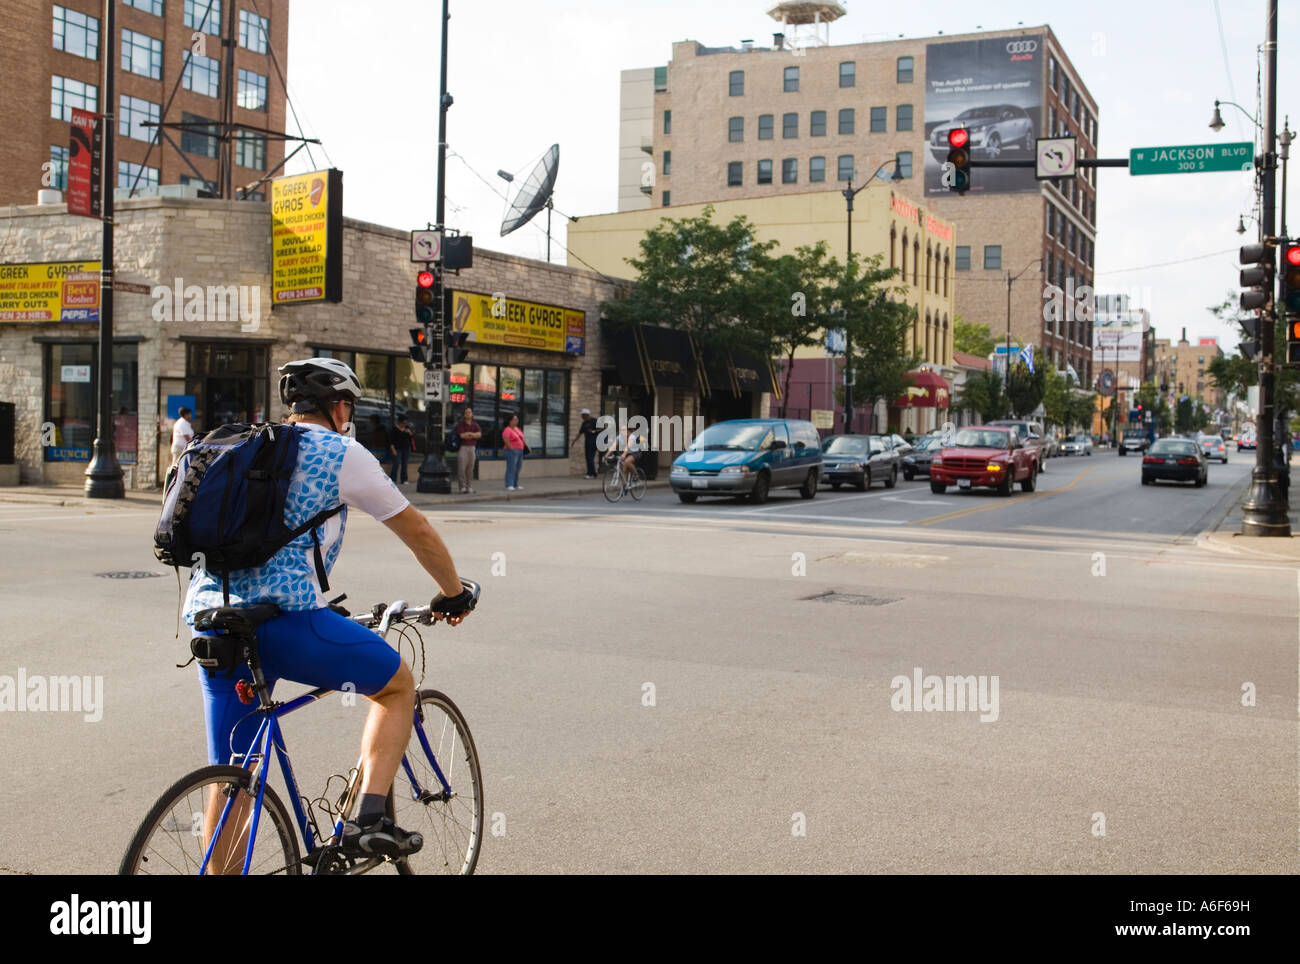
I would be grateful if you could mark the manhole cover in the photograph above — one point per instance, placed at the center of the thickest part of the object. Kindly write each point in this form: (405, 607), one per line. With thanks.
(851, 599)
(128, 575)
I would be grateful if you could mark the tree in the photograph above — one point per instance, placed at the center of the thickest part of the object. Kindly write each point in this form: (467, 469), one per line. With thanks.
(982, 395)
(876, 326)
(972, 338)
(1083, 407)
(1057, 399)
(1164, 417)
(1186, 415)
(1233, 374)
(1025, 389)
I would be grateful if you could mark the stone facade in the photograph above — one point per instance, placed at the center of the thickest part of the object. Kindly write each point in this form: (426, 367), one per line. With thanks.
(211, 242)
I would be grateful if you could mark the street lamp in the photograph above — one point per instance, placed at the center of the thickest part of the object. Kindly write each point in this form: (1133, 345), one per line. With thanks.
(850, 192)
(1216, 122)
(1010, 279)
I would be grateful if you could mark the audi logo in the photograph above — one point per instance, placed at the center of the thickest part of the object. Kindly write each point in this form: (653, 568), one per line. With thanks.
(1022, 46)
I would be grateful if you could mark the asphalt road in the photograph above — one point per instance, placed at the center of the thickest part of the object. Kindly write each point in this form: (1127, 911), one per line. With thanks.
(657, 687)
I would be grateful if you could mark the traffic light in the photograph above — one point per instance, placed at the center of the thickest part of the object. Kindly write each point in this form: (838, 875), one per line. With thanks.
(1258, 277)
(958, 160)
(420, 345)
(426, 298)
(1291, 279)
(1249, 346)
(456, 350)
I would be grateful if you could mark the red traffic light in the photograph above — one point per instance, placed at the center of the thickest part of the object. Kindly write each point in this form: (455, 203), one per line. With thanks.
(424, 279)
(958, 136)
(1293, 255)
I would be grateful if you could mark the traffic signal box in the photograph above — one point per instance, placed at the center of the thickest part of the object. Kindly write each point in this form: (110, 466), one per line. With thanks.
(959, 158)
(1257, 279)
(1291, 302)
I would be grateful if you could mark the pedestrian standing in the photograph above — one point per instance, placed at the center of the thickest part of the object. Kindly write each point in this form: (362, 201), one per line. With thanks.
(588, 430)
(468, 433)
(401, 443)
(512, 437)
(182, 433)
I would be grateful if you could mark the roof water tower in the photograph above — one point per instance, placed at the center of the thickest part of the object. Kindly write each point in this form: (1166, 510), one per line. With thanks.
(805, 23)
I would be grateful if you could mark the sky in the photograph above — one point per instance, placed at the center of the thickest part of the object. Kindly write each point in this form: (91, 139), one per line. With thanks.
(363, 77)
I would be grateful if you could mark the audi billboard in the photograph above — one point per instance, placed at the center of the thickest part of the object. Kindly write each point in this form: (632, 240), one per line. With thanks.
(993, 88)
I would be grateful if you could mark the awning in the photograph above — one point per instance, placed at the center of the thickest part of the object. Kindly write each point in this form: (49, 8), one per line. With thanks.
(753, 372)
(927, 390)
(670, 357)
(621, 350)
(717, 370)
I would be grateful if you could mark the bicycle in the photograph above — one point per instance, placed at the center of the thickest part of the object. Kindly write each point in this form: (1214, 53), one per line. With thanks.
(423, 797)
(617, 483)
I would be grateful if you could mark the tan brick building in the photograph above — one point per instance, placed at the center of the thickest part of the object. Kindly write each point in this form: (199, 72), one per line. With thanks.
(746, 122)
(54, 61)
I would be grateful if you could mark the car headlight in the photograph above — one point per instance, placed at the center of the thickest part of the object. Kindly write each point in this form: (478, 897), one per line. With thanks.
(680, 470)
(734, 469)
(909, 458)
(937, 460)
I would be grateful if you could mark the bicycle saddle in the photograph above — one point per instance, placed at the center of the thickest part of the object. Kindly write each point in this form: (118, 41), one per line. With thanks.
(237, 622)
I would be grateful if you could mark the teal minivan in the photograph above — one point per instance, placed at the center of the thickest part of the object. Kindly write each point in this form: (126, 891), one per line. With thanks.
(749, 457)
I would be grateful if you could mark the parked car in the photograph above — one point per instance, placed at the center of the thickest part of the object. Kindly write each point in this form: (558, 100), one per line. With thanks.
(1175, 459)
(1135, 440)
(859, 460)
(901, 445)
(986, 456)
(1077, 445)
(1030, 434)
(1213, 447)
(749, 457)
(992, 130)
(1246, 442)
(917, 461)
(1051, 446)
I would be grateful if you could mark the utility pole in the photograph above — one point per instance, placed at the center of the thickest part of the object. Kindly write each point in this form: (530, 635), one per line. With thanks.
(103, 474)
(1264, 513)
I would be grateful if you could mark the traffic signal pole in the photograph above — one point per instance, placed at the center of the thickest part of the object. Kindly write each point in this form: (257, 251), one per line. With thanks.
(1264, 513)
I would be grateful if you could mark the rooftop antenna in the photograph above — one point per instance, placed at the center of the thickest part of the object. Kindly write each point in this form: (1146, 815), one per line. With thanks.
(534, 195)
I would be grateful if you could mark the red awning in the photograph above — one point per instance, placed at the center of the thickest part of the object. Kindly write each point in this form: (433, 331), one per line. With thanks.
(927, 390)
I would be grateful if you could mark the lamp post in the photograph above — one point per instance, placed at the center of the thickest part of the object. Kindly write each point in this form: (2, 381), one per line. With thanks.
(850, 192)
(1010, 281)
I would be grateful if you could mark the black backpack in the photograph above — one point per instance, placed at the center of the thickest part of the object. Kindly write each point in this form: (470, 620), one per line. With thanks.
(223, 502)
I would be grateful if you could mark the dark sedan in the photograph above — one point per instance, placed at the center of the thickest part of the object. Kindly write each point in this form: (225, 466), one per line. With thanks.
(917, 461)
(859, 460)
(1176, 460)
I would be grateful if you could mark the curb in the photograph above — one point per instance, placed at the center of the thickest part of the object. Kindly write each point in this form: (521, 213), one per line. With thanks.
(425, 500)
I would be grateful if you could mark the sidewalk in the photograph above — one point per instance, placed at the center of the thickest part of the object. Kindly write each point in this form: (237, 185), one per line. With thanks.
(487, 491)
(1225, 538)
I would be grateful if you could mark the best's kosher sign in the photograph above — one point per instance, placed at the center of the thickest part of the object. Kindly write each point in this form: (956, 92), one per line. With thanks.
(307, 237)
(51, 291)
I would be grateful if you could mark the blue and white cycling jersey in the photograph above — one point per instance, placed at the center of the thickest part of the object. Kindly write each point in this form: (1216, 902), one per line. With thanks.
(332, 469)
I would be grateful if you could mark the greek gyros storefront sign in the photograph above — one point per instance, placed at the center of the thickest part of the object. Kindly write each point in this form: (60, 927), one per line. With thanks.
(50, 291)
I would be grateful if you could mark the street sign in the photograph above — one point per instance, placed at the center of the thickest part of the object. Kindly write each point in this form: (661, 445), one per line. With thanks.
(426, 245)
(432, 385)
(1107, 382)
(1192, 158)
(1056, 157)
(823, 418)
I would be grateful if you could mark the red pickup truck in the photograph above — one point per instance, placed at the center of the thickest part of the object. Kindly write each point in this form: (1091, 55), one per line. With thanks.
(985, 456)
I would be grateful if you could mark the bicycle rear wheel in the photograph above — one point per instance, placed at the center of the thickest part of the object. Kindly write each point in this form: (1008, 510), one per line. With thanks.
(171, 839)
(612, 485)
(452, 827)
(636, 485)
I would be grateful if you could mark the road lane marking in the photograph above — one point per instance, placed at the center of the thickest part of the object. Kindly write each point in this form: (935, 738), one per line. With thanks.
(1003, 503)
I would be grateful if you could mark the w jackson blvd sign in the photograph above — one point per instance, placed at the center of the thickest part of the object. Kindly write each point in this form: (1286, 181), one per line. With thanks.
(1192, 158)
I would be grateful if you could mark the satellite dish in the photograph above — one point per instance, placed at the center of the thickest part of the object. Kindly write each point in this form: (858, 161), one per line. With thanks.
(536, 192)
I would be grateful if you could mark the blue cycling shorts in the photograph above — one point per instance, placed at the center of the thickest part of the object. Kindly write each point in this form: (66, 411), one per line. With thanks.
(318, 647)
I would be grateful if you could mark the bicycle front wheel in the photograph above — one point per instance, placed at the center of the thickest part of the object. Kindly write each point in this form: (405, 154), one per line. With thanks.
(172, 839)
(612, 485)
(452, 824)
(636, 485)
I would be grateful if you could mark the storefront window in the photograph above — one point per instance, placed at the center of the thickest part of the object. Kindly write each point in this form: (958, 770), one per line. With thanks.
(125, 391)
(509, 402)
(71, 396)
(229, 383)
(539, 396)
(534, 405)
(557, 413)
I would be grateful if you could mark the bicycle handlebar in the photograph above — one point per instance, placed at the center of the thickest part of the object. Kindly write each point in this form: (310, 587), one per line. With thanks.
(385, 614)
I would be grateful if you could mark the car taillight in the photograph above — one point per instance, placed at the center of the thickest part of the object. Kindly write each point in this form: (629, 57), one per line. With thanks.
(1187, 461)
(1151, 458)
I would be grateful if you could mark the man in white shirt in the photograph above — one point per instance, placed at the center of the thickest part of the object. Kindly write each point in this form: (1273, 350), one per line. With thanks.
(182, 433)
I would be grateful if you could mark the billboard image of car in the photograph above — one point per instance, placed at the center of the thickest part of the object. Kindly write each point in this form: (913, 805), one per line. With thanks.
(994, 88)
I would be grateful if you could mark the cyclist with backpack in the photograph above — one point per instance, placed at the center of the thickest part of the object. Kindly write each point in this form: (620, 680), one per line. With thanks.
(308, 642)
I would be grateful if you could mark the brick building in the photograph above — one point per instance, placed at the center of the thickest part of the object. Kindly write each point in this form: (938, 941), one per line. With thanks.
(723, 123)
(171, 69)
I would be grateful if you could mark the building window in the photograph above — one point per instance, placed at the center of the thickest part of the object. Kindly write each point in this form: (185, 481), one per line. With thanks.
(893, 245)
(203, 15)
(844, 167)
(66, 93)
(848, 74)
(202, 75)
(539, 396)
(817, 169)
(196, 137)
(661, 79)
(791, 80)
(1077, 103)
(877, 120)
(736, 83)
(992, 257)
(846, 121)
(765, 127)
(142, 54)
(1051, 72)
(789, 126)
(1051, 122)
(135, 175)
(817, 124)
(250, 151)
(132, 114)
(668, 122)
(790, 171)
(946, 264)
(76, 33)
(903, 118)
(904, 163)
(736, 129)
(71, 400)
(252, 90)
(205, 187)
(254, 32)
(668, 162)
(154, 7)
(735, 173)
(764, 172)
(58, 167)
(961, 258)
(666, 195)
(904, 70)
(916, 261)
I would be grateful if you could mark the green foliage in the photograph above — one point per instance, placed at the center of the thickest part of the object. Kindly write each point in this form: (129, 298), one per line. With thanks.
(794, 301)
(1057, 398)
(1024, 389)
(1187, 415)
(982, 395)
(876, 326)
(972, 338)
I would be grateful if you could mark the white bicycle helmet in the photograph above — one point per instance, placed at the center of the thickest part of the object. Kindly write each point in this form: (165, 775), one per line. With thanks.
(311, 384)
